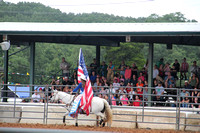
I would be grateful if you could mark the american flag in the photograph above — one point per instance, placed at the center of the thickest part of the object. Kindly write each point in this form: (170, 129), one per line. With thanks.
(88, 92)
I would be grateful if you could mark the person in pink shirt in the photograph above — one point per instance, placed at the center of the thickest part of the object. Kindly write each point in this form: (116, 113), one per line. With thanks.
(124, 100)
(113, 100)
(127, 75)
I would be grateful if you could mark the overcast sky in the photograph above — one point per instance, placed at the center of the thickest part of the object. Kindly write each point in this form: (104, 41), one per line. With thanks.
(131, 8)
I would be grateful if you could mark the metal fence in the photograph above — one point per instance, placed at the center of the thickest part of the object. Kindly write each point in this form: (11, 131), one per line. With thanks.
(171, 101)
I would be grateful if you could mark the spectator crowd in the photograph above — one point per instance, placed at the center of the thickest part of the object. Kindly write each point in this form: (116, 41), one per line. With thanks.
(126, 85)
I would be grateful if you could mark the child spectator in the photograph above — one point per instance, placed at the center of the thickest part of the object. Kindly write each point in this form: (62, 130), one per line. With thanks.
(185, 101)
(128, 87)
(35, 97)
(113, 100)
(139, 89)
(131, 94)
(137, 101)
(110, 73)
(124, 100)
(93, 77)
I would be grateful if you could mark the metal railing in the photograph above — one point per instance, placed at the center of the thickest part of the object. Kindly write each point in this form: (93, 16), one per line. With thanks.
(171, 96)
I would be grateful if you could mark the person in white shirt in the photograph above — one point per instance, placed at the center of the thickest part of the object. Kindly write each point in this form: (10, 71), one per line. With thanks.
(35, 97)
(159, 91)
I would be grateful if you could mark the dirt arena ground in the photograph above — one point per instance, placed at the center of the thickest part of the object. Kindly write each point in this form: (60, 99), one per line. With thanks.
(89, 128)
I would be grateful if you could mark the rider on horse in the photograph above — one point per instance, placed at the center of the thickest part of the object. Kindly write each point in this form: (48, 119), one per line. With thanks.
(76, 103)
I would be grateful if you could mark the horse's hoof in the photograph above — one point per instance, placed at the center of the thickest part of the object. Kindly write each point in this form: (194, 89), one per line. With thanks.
(64, 124)
(76, 124)
(103, 124)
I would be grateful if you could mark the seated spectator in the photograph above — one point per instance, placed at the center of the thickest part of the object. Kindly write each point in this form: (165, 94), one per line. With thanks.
(116, 79)
(66, 89)
(184, 68)
(106, 98)
(155, 83)
(58, 86)
(169, 81)
(160, 62)
(194, 81)
(167, 69)
(188, 87)
(134, 81)
(102, 91)
(195, 93)
(141, 77)
(93, 66)
(124, 100)
(93, 77)
(128, 87)
(156, 74)
(116, 85)
(196, 103)
(131, 94)
(194, 68)
(122, 78)
(103, 80)
(122, 91)
(42, 96)
(137, 101)
(185, 101)
(139, 90)
(110, 90)
(121, 83)
(182, 94)
(65, 82)
(74, 76)
(113, 99)
(35, 97)
(159, 91)
(127, 75)
(145, 90)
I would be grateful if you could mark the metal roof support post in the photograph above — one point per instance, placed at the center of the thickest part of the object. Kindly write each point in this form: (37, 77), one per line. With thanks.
(98, 51)
(150, 71)
(5, 88)
(32, 64)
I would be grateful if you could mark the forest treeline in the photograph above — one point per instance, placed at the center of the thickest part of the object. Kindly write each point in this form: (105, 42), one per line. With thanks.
(48, 56)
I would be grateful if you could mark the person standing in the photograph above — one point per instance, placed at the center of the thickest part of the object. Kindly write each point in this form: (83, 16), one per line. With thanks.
(64, 66)
(184, 68)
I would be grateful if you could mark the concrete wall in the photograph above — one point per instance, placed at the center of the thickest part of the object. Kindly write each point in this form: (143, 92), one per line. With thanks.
(195, 122)
(8, 111)
(158, 120)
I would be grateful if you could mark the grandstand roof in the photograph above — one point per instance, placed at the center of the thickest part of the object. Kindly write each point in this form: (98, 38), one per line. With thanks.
(110, 34)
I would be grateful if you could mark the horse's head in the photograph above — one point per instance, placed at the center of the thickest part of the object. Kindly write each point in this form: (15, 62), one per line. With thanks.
(54, 97)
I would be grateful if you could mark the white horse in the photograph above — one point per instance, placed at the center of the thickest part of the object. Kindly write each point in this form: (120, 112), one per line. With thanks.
(99, 106)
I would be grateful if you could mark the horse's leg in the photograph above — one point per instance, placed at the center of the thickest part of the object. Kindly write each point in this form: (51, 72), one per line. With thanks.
(97, 122)
(76, 121)
(64, 117)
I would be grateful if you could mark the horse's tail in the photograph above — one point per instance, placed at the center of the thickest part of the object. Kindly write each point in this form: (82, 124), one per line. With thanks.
(108, 112)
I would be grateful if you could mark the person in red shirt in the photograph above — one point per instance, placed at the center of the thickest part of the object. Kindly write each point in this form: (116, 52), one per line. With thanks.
(128, 87)
(139, 90)
(137, 101)
(141, 77)
(127, 75)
